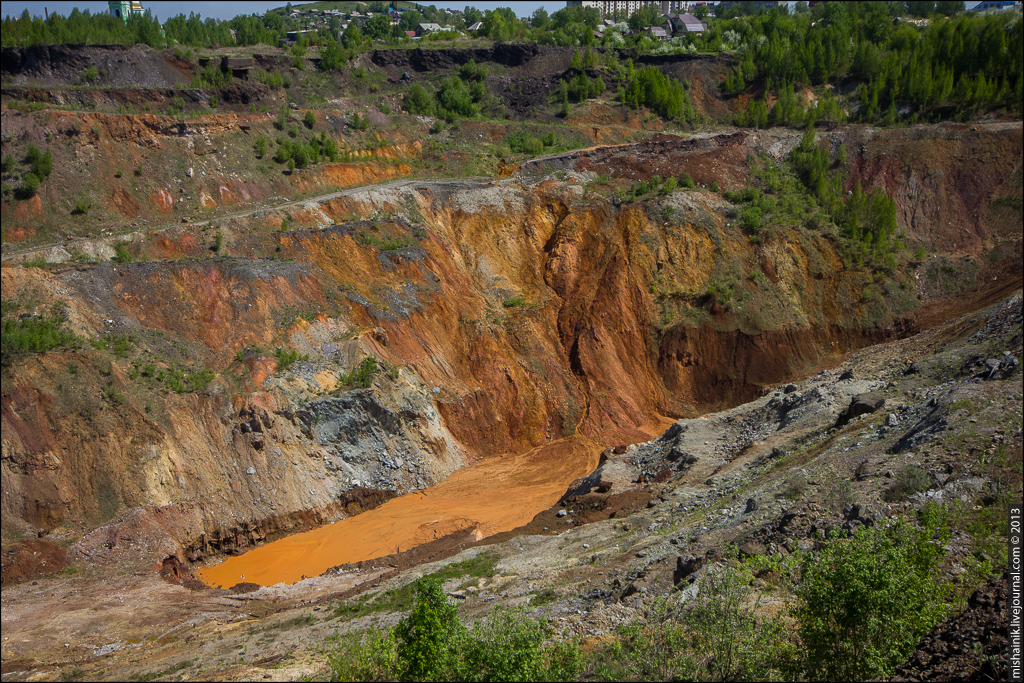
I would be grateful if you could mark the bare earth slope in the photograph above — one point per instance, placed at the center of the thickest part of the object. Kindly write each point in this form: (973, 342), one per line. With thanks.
(459, 364)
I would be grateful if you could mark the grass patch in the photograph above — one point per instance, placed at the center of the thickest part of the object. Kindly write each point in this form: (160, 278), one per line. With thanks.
(31, 332)
(514, 302)
(543, 597)
(287, 357)
(401, 599)
(910, 480)
(361, 376)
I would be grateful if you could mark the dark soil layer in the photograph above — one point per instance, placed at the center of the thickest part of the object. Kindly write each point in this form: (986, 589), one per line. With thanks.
(30, 559)
(507, 54)
(969, 646)
(235, 97)
(119, 65)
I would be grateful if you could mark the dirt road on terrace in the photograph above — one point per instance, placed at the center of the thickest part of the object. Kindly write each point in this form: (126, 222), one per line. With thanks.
(18, 255)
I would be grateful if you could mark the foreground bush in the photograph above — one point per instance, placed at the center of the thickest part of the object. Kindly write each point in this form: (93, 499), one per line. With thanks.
(859, 607)
(431, 643)
(721, 635)
(865, 602)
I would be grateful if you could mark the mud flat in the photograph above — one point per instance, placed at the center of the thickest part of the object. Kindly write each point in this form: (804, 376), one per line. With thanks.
(491, 496)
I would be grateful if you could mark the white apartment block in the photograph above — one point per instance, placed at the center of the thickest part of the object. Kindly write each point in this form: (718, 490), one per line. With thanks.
(608, 7)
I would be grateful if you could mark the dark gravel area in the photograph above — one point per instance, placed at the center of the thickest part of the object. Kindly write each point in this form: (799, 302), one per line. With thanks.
(969, 646)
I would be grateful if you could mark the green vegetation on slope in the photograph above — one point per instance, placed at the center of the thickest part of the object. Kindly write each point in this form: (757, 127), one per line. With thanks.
(858, 609)
(808, 190)
(33, 332)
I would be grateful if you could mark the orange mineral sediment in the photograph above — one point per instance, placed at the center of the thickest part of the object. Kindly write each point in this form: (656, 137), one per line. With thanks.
(493, 495)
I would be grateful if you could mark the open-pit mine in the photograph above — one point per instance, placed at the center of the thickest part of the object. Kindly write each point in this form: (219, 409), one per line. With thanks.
(273, 396)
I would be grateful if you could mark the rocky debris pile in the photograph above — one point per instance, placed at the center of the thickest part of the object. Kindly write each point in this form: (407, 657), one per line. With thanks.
(1004, 323)
(616, 470)
(969, 646)
(366, 443)
(862, 404)
(790, 409)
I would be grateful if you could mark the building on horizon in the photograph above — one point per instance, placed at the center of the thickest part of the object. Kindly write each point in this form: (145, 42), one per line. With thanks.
(607, 7)
(122, 9)
(997, 6)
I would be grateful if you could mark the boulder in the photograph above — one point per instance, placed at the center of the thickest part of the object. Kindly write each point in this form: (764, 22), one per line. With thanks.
(861, 404)
(752, 548)
(685, 567)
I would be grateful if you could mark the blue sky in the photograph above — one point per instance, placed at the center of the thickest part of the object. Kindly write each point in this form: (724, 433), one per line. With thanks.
(225, 10)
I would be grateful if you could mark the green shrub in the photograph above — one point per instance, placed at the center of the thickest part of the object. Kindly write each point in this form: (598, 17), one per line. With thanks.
(795, 486)
(418, 101)
(261, 146)
(332, 57)
(431, 643)
(33, 334)
(427, 640)
(667, 97)
(120, 344)
(721, 636)
(470, 71)
(212, 77)
(909, 480)
(41, 164)
(687, 182)
(367, 656)
(113, 394)
(184, 381)
(29, 184)
(581, 88)
(543, 597)
(522, 143)
(287, 357)
(121, 253)
(360, 122)
(514, 302)
(82, 206)
(863, 603)
(272, 80)
(457, 100)
(361, 376)
(309, 119)
(177, 106)
(90, 74)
